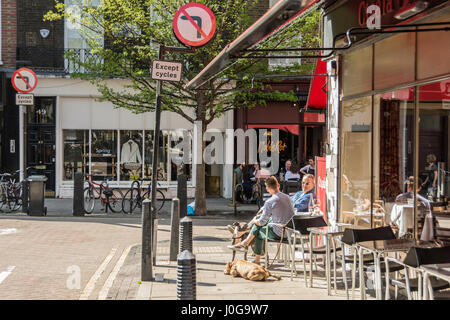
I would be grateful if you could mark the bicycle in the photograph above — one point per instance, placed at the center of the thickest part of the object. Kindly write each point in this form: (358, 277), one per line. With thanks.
(136, 194)
(11, 191)
(109, 197)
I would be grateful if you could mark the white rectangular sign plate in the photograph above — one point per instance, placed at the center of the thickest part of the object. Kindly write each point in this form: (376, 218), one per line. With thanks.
(167, 70)
(24, 99)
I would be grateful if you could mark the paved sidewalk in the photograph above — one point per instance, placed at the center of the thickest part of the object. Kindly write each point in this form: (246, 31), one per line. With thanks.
(210, 243)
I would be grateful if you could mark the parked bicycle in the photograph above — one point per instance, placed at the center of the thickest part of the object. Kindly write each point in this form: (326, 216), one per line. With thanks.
(109, 197)
(11, 191)
(137, 193)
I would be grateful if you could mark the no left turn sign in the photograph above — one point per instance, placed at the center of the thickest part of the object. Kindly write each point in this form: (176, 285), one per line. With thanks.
(24, 80)
(194, 24)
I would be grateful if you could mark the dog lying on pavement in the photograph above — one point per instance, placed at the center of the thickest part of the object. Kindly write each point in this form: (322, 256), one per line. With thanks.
(248, 270)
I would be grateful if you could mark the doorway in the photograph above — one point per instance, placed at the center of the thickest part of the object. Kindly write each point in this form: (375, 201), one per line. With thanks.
(41, 137)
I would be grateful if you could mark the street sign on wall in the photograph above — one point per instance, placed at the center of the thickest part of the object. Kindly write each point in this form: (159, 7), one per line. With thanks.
(194, 24)
(24, 80)
(166, 70)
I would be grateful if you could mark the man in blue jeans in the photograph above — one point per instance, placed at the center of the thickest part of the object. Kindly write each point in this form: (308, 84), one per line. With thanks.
(277, 209)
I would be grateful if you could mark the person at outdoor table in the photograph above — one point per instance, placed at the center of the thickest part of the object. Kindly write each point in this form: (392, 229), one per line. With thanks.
(285, 169)
(238, 171)
(301, 199)
(263, 173)
(292, 175)
(277, 209)
(424, 205)
(309, 168)
(253, 170)
(247, 183)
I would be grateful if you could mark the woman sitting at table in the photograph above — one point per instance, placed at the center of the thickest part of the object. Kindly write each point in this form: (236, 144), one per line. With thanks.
(348, 201)
(424, 205)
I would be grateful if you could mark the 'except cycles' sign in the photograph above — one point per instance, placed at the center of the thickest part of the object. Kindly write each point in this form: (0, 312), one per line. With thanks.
(166, 70)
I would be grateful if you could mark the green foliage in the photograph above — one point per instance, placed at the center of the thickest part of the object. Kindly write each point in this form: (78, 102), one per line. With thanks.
(124, 37)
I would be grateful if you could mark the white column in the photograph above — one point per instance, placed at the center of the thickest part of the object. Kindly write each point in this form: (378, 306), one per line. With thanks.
(227, 189)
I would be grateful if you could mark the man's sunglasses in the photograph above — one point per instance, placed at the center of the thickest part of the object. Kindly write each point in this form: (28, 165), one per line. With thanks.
(306, 183)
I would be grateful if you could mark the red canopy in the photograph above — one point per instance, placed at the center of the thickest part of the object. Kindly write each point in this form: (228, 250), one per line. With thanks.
(317, 97)
(292, 128)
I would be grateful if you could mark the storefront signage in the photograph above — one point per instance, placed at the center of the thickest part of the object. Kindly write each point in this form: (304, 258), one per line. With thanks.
(24, 80)
(194, 24)
(167, 70)
(321, 183)
(354, 13)
(314, 117)
(23, 99)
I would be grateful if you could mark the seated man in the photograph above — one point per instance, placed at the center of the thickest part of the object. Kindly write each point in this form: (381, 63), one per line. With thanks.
(277, 209)
(301, 198)
(424, 205)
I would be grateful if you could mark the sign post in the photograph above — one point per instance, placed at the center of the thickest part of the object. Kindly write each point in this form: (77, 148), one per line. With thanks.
(205, 26)
(24, 80)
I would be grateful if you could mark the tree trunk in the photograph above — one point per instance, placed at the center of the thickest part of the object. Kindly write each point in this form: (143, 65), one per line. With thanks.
(200, 185)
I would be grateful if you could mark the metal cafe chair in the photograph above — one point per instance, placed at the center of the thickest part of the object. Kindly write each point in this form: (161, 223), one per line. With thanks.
(442, 228)
(301, 228)
(411, 265)
(350, 239)
(288, 247)
(291, 187)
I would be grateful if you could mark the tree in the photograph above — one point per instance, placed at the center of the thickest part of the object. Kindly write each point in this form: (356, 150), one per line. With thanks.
(124, 36)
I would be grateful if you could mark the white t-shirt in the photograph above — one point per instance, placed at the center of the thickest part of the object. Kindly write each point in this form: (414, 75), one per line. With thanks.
(289, 175)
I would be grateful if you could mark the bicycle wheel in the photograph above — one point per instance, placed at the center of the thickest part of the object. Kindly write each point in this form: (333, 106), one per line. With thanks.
(160, 199)
(115, 200)
(129, 202)
(88, 200)
(17, 197)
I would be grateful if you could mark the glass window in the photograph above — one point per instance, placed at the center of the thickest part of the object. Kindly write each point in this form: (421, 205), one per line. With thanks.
(356, 161)
(434, 134)
(130, 155)
(43, 111)
(104, 154)
(393, 154)
(180, 150)
(76, 153)
(162, 154)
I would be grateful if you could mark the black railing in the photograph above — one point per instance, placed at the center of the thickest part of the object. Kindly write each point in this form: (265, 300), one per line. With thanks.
(54, 60)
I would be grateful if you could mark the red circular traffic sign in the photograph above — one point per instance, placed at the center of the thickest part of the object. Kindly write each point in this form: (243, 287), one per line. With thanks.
(24, 80)
(194, 24)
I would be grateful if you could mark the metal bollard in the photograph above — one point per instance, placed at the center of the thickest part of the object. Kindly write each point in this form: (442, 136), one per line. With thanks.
(78, 182)
(25, 196)
(174, 230)
(186, 234)
(182, 194)
(146, 256)
(186, 276)
(154, 219)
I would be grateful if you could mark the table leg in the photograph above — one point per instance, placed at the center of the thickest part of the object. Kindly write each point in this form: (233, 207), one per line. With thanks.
(362, 285)
(310, 260)
(328, 265)
(379, 294)
(334, 264)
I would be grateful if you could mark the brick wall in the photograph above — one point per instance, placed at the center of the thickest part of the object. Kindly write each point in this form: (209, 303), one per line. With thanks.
(31, 45)
(9, 33)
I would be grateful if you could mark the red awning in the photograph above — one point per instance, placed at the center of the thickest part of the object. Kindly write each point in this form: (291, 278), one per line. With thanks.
(317, 97)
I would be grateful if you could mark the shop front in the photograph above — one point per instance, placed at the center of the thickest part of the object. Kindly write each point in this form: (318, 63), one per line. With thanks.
(388, 124)
(95, 138)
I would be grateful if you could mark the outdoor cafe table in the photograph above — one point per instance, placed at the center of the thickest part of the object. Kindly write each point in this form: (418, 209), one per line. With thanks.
(380, 248)
(329, 232)
(441, 271)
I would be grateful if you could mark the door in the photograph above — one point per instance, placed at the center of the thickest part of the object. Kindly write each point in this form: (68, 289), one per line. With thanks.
(41, 139)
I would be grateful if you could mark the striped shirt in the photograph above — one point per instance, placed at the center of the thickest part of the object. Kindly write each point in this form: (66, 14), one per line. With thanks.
(280, 208)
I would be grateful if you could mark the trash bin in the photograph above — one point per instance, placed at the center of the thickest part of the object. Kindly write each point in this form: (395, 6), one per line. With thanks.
(36, 195)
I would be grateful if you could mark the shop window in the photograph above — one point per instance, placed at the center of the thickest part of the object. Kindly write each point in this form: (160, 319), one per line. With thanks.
(76, 153)
(182, 139)
(162, 154)
(104, 154)
(434, 144)
(356, 161)
(130, 155)
(357, 71)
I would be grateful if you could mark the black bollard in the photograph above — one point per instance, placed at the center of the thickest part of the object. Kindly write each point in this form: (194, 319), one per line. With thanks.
(174, 230)
(182, 194)
(186, 234)
(25, 186)
(78, 207)
(146, 256)
(186, 276)
(154, 219)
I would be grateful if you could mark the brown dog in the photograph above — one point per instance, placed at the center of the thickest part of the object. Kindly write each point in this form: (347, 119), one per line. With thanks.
(248, 270)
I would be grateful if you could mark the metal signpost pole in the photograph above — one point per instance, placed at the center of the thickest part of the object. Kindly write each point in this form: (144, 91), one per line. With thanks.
(155, 156)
